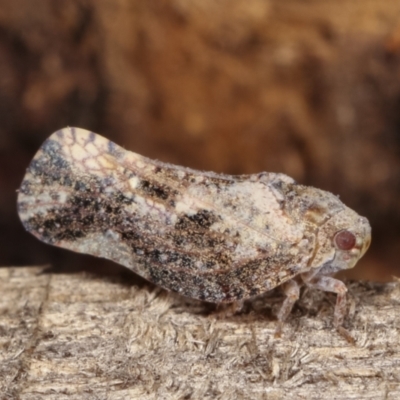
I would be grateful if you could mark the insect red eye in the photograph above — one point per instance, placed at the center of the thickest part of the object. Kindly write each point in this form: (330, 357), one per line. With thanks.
(344, 240)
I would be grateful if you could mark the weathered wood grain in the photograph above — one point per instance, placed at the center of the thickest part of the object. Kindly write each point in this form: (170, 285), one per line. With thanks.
(87, 337)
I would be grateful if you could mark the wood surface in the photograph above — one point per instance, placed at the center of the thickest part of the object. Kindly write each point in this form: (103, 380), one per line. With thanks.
(81, 336)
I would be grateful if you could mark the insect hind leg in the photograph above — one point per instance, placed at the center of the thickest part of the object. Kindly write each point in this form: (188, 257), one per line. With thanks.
(292, 291)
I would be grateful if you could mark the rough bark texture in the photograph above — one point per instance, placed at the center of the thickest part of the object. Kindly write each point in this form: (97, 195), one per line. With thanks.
(86, 337)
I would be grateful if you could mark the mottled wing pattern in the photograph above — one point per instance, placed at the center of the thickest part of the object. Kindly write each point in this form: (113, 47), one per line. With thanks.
(205, 235)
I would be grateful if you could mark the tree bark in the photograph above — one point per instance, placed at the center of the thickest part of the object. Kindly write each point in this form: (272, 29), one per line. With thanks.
(80, 336)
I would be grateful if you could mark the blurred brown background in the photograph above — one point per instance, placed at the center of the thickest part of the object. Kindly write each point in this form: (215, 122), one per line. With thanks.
(308, 88)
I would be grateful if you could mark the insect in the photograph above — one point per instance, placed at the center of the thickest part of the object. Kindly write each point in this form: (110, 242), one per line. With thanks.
(214, 237)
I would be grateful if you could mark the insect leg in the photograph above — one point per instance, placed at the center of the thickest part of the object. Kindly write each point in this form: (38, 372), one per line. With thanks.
(329, 284)
(225, 310)
(292, 291)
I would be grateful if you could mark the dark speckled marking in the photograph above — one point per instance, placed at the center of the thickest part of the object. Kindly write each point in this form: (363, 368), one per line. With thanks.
(153, 189)
(202, 219)
(111, 147)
